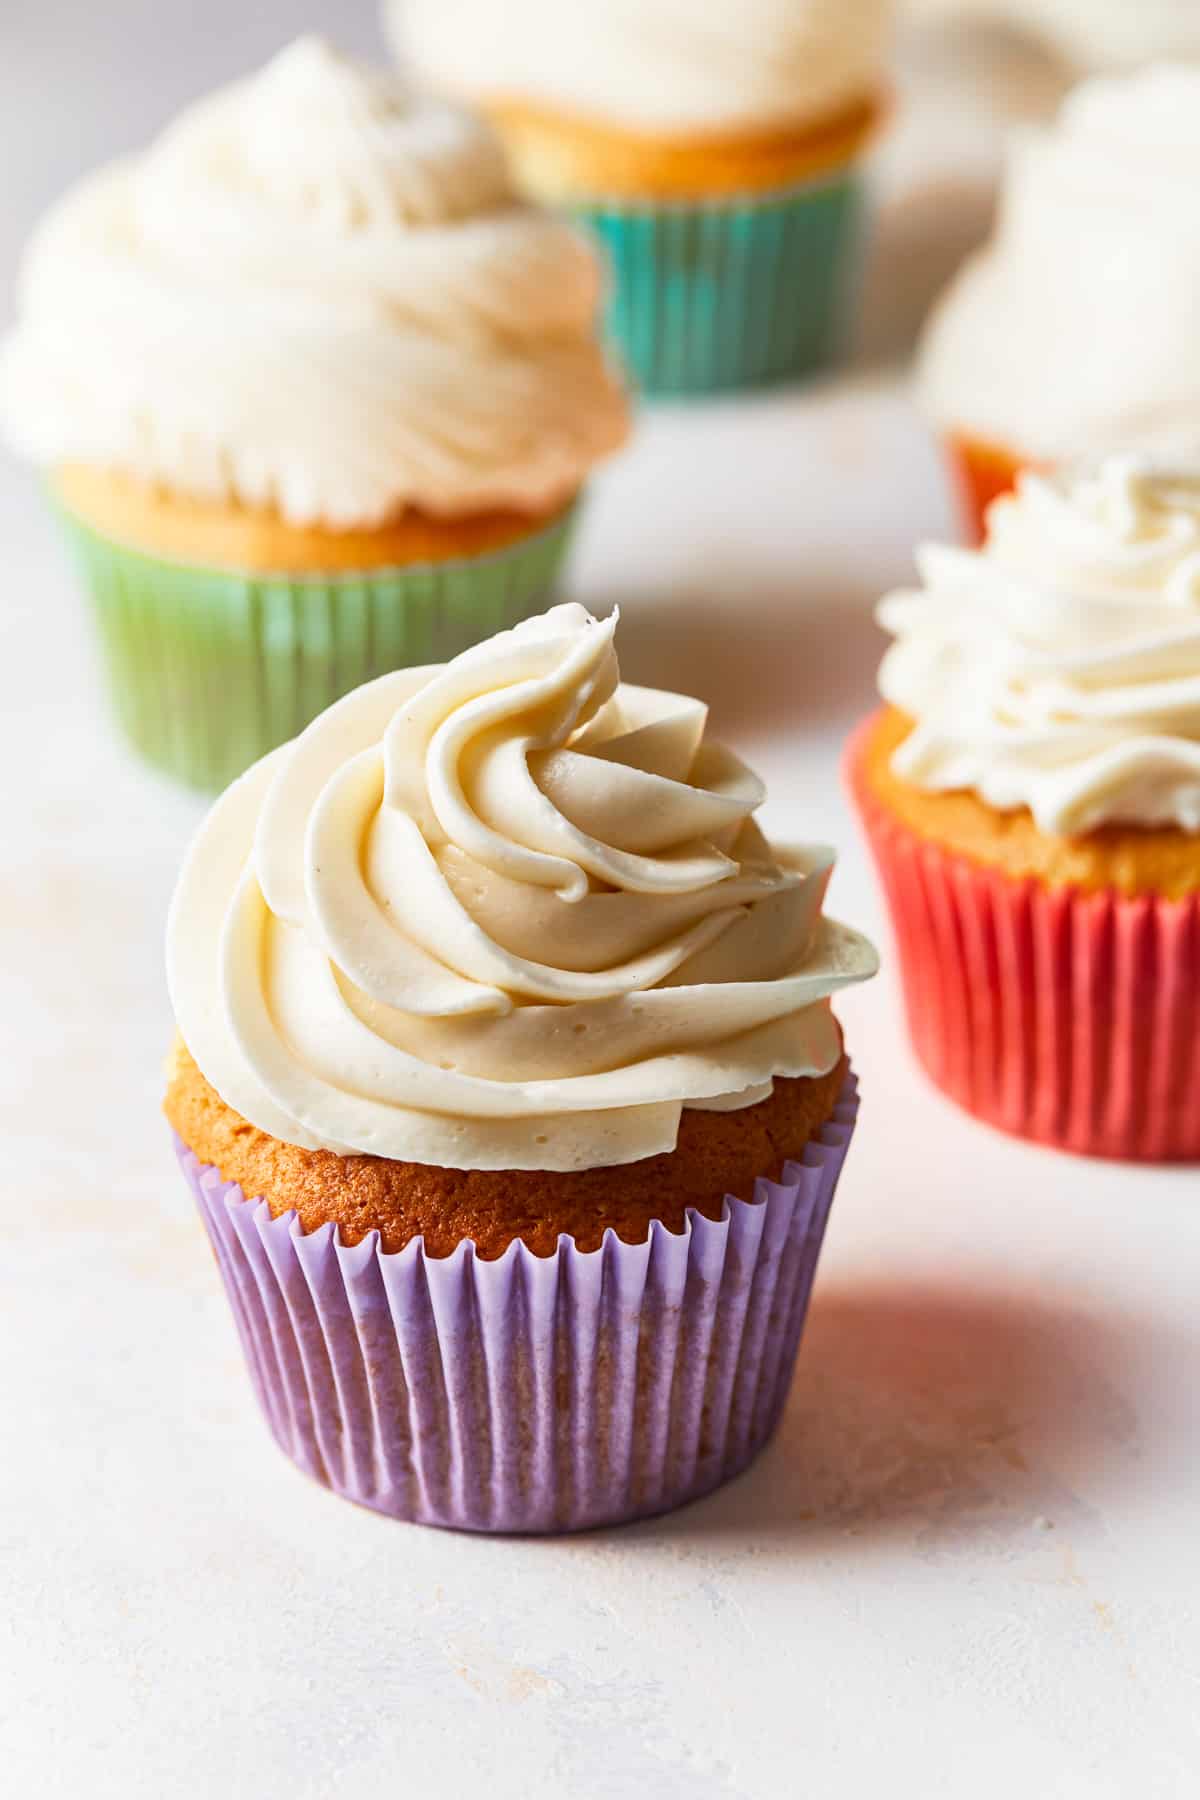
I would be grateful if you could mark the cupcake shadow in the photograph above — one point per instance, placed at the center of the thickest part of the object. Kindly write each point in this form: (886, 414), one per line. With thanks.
(940, 1417)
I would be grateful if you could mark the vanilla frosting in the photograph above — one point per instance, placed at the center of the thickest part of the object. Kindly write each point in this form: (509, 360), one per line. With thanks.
(502, 913)
(1058, 668)
(1075, 328)
(662, 65)
(316, 294)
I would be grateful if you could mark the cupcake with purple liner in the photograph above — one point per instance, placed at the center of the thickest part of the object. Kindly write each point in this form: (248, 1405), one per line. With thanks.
(508, 1087)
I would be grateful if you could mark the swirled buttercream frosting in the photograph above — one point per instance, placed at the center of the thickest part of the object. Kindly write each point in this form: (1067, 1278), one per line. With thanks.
(668, 65)
(503, 913)
(1058, 668)
(1074, 328)
(319, 295)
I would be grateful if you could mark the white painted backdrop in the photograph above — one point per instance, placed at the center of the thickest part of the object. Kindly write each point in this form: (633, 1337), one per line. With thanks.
(967, 1567)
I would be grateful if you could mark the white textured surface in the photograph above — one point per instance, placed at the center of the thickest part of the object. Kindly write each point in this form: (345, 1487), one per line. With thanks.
(967, 1567)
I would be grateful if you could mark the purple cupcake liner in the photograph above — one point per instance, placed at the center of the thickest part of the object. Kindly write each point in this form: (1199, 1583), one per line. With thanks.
(530, 1393)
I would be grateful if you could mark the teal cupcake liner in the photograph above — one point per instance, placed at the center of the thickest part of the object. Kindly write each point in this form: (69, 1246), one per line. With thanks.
(720, 294)
(210, 669)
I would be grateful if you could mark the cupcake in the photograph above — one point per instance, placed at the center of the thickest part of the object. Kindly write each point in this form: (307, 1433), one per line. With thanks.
(315, 394)
(508, 1088)
(1031, 792)
(1072, 331)
(716, 151)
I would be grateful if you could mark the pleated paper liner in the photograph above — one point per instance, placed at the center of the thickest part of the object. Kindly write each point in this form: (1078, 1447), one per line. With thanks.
(732, 293)
(1063, 1016)
(528, 1394)
(210, 669)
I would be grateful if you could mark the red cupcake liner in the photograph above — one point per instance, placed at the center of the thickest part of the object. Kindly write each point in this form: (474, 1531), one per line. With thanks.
(1062, 1015)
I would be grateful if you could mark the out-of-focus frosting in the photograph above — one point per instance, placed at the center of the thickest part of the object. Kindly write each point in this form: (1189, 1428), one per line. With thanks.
(1058, 668)
(502, 913)
(652, 64)
(1075, 328)
(1092, 33)
(317, 294)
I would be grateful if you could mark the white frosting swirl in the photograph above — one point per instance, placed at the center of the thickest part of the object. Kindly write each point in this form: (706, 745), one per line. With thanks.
(665, 65)
(1075, 327)
(1059, 667)
(317, 295)
(502, 914)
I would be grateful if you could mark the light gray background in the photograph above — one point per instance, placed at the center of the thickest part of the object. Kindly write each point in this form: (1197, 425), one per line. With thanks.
(966, 1568)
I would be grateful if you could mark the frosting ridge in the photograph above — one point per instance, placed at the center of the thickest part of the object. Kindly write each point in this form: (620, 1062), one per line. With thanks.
(1058, 668)
(317, 294)
(502, 913)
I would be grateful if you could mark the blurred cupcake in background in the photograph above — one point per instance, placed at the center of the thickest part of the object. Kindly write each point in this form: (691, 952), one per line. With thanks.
(316, 394)
(1031, 792)
(1074, 329)
(509, 1089)
(1090, 34)
(715, 149)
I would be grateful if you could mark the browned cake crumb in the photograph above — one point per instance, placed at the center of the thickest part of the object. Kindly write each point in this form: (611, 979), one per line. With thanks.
(561, 156)
(184, 529)
(1163, 860)
(717, 1154)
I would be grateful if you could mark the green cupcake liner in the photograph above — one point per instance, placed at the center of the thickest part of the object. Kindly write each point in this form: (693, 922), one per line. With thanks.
(711, 295)
(210, 669)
